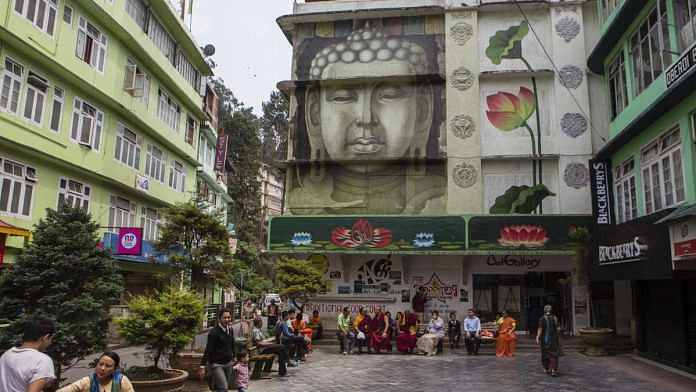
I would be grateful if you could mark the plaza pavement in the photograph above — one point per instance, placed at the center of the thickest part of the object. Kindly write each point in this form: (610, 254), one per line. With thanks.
(327, 370)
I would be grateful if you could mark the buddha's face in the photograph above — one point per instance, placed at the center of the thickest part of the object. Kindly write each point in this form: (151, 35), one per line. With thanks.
(368, 120)
(361, 111)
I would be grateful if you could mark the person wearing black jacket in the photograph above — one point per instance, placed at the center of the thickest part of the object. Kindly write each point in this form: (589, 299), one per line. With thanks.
(454, 330)
(219, 352)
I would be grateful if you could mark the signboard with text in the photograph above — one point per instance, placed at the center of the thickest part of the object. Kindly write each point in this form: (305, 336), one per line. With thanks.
(130, 241)
(681, 67)
(221, 151)
(600, 174)
(683, 241)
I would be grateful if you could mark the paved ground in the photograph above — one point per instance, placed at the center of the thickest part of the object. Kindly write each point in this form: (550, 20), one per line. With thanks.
(326, 370)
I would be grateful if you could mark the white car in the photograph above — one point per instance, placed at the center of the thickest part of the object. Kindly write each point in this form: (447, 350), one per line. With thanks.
(269, 297)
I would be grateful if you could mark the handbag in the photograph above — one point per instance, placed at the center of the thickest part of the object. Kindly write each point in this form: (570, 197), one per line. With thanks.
(361, 336)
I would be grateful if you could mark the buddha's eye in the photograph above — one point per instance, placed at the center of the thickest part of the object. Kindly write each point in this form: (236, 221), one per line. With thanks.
(342, 95)
(390, 93)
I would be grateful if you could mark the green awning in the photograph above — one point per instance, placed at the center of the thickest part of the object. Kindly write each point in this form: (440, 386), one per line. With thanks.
(681, 213)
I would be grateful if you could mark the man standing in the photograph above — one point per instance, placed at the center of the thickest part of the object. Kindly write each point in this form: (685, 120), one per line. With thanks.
(26, 368)
(219, 352)
(418, 303)
(248, 314)
(273, 311)
(472, 329)
(345, 336)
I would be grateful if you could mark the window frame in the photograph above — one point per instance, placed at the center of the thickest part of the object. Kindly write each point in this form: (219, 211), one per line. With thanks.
(150, 224)
(642, 37)
(67, 7)
(26, 180)
(152, 167)
(16, 85)
(115, 203)
(32, 90)
(625, 184)
(134, 74)
(168, 111)
(684, 21)
(46, 19)
(94, 54)
(618, 88)
(652, 169)
(84, 197)
(128, 147)
(96, 127)
(58, 99)
(177, 178)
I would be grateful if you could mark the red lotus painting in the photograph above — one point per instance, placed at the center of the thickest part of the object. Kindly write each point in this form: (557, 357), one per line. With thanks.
(527, 236)
(361, 234)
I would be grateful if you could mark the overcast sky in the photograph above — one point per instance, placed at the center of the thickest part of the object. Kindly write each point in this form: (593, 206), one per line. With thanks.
(252, 54)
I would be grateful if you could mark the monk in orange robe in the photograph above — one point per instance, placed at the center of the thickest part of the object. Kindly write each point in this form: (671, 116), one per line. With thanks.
(506, 337)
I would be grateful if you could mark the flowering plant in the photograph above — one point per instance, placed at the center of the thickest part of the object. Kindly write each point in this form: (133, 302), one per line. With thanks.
(362, 234)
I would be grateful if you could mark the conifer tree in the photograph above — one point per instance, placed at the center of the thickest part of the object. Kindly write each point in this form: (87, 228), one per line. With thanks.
(62, 274)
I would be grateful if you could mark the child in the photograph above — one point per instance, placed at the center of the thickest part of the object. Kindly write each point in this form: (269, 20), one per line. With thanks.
(454, 328)
(242, 368)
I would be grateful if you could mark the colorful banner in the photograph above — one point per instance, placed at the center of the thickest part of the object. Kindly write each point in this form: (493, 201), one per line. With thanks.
(221, 151)
(130, 241)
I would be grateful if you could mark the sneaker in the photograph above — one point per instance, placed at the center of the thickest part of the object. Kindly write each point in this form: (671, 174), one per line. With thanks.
(345, 353)
(283, 375)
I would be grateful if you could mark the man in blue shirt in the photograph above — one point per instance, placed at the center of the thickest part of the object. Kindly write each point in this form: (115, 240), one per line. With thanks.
(472, 330)
(286, 336)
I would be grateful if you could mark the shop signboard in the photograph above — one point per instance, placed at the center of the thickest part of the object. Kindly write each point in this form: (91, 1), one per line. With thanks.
(367, 234)
(130, 241)
(147, 255)
(441, 287)
(600, 173)
(683, 244)
(505, 234)
(221, 151)
(681, 67)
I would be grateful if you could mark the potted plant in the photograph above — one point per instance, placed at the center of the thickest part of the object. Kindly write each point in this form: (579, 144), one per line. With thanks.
(163, 323)
(594, 337)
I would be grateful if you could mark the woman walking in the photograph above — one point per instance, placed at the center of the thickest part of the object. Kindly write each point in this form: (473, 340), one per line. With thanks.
(548, 339)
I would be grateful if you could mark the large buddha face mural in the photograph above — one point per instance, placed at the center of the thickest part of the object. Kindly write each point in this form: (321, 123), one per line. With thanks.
(368, 135)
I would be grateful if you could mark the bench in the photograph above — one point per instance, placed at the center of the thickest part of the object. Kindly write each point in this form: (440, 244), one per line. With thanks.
(262, 362)
(491, 327)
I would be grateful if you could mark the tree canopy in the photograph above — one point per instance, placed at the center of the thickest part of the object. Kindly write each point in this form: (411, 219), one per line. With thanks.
(299, 279)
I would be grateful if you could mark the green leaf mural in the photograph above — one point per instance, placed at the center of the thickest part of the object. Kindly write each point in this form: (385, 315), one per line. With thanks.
(507, 44)
(520, 199)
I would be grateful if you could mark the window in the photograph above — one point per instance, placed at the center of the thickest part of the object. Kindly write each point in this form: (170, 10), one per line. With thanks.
(17, 184)
(608, 6)
(663, 176)
(159, 36)
(74, 192)
(686, 23)
(136, 82)
(121, 213)
(128, 146)
(42, 13)
(150, 220)
(91, 45)
(155, 162)
(649, 49)
(67, 14)
(87, 123)
(190, 131)
(138, 11)
(187, 70)
(617, 85)
(168, 111)
(35, 98)
(57, 111)
(11, 86)
(177, 176)
(626, 206)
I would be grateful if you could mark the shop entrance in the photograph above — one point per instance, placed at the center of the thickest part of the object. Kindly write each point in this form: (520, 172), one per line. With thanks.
(523, 296)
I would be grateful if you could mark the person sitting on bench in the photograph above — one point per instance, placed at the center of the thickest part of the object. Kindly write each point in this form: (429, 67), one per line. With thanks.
(267, 347)
(472, 329)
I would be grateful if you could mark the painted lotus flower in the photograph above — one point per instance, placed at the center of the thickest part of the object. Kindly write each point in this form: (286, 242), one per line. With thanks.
(527, 236)
(424, 240)
(301, 239)
(362, 234)
(507, 111)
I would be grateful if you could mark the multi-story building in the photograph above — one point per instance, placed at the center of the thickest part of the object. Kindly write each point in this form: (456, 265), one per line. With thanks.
(643, 270)
(441, 144)
(100, 106)
(272, 192)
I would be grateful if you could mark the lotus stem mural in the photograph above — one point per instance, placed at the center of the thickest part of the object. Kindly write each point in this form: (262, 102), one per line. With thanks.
(508, 112)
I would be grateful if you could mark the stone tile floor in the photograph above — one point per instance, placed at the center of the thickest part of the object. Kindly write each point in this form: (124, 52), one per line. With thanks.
(327, 370)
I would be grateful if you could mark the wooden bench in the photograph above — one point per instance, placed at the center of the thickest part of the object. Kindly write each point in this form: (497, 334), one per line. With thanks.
(262, 362)
(491, 327)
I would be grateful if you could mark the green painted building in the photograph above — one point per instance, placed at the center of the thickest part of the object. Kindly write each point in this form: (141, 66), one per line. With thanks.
(647, 54)
(101, 105)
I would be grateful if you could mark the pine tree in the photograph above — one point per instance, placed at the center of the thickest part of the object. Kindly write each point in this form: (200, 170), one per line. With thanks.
(299, 280)
(63, 275)
(274, 128)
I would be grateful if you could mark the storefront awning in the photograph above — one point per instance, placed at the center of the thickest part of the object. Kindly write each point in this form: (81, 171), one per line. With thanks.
(681, 213)
(6, 228)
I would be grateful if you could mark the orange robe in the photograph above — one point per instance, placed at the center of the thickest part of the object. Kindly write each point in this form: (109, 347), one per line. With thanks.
(304, 330)
(506, 338)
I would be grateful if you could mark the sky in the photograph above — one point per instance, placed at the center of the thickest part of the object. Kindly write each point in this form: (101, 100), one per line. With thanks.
(251, 52)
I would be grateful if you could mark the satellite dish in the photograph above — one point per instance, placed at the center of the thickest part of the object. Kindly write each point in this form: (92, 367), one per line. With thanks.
(209, 50)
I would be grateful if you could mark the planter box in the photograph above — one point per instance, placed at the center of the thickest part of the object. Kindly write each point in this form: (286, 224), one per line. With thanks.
(596, 339)
(174, 384)
(189, 361)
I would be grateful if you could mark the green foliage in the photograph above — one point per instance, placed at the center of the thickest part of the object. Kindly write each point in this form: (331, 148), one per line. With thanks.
(582, 240)
(520, 199)
(195, 241)
(274, 128)
(299, 280)
(163, 323)
(507, 44)
(63, 275)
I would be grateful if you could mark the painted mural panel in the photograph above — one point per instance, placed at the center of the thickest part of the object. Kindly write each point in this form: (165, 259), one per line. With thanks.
(368, 131)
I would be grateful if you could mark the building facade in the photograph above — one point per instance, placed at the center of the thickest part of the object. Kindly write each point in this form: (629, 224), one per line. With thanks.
(271, 192)
(643, 271)
(443, 145)
(101, 106)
